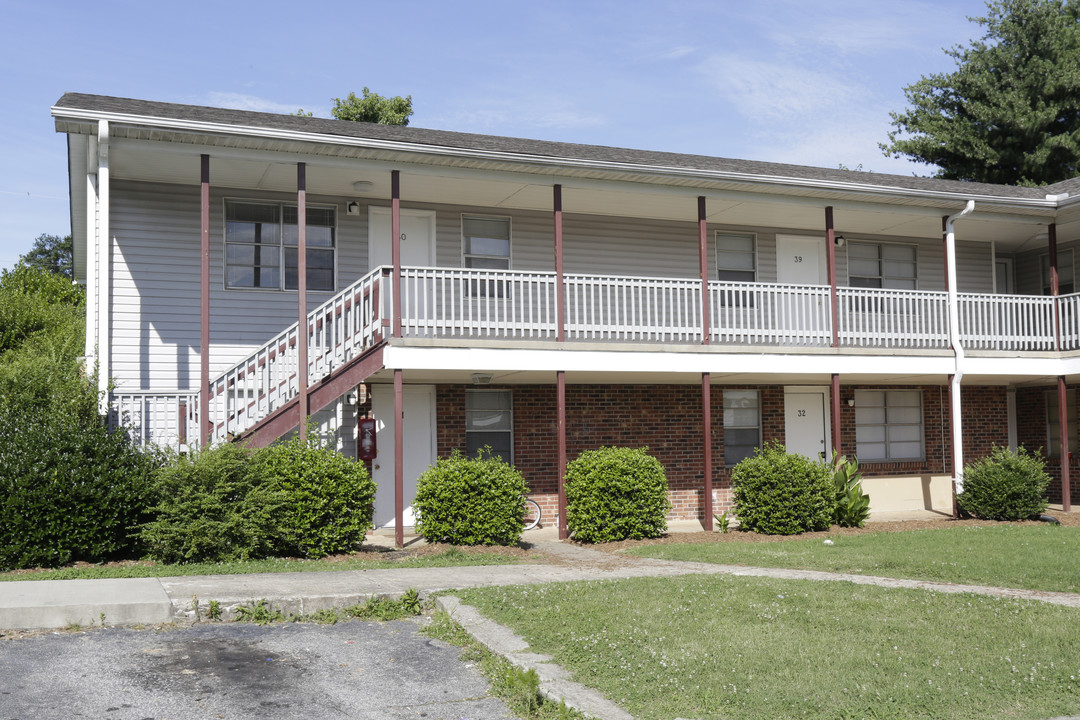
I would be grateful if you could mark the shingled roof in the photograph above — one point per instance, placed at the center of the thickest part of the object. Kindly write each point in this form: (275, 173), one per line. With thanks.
(539, 148)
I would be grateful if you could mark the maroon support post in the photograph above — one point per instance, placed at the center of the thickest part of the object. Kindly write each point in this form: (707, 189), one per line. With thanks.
(706, 437)
(560, 292)
(560, 404)
(830, 260)
(395, 245)
(399, 462)
(1063, 426)
(703, 264)
(204, 305)
(301, 295)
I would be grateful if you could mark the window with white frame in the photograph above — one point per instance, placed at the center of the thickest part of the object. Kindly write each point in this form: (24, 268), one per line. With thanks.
(1053, 426)
(882, 265)
(888, 425)
(1066, 276)
(735, 257)
(485, 245)
(489, 423)
(742, 424)
(261, 241)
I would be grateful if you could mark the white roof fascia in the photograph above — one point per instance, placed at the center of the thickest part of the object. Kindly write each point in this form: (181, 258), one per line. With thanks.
(660, 170)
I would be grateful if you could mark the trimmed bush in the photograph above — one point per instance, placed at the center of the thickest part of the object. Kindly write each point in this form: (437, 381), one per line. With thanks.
(471, 501)
(211, 508)
(782, 493)
(329, 498)
(616, 493)
(1006, 485)
(69, 489)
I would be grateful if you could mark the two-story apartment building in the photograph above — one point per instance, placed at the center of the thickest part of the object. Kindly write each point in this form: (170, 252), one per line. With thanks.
(246, 270)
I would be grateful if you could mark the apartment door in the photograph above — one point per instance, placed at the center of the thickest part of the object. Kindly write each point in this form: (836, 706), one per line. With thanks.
(418, 409)
(801, 260)
(806, 422)
(417, 237)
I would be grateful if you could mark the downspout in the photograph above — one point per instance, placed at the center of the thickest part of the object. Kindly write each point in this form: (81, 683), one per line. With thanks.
(104, 283)
(958, 350)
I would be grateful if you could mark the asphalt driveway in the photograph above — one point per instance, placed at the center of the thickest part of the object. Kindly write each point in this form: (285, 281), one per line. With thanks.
(353, 670)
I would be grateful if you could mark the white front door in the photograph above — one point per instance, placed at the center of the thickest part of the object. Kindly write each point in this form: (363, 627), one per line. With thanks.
(418, 409)
(806, 424)
(417, 237)
(801, 260)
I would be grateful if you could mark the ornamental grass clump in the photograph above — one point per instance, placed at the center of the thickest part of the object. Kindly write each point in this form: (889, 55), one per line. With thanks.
(782, 493)
(471, 501)
(616, 494)
(1006, 485)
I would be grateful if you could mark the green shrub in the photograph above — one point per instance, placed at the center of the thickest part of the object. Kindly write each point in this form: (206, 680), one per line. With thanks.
(69, 489)
(211, 508)
(471, 501)
(1006, 485)
(782, 493)
(852, 505)
(329, 498)
(616, 493)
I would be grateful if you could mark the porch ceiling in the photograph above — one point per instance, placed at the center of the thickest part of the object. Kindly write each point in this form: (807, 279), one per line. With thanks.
(728, 203)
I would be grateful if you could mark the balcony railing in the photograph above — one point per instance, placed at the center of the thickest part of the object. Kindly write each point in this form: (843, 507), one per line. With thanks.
(513, 305)
(873, 318)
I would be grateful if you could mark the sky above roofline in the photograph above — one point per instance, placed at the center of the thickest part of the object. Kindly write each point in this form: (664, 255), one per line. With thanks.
(776, 80)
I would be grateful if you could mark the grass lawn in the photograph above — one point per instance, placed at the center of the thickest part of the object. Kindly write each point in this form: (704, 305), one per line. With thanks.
(361, 561)
(1029, 556)
(725, 647)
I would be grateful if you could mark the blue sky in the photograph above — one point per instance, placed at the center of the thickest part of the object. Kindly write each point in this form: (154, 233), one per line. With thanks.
(780, 80)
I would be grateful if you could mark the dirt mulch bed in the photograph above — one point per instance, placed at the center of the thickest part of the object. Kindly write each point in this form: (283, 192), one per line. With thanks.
(736, 535)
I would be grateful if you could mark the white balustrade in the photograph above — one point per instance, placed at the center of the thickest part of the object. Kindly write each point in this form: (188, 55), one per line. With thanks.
(165, 420)
(521, 305)
(1069, 318)
(602, 308)
(770, 314)
(870, 317)
(1007, 322)
(496, 304)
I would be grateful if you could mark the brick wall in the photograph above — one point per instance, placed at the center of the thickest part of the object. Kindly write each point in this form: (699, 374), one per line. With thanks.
(667, 419)
(1031, 432)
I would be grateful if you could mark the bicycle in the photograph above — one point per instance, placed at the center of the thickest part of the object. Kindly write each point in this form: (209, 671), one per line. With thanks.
(531, 516)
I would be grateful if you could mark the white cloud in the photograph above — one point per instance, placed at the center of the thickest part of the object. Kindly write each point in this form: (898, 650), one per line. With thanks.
(517, 116)
(775, 91)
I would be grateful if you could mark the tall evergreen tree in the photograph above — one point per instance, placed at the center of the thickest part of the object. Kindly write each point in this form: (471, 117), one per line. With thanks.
(1010, 112)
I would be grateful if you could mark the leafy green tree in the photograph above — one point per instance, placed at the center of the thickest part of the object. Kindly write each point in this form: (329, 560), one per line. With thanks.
(51, 253)
(1010, 112)
(373, 108)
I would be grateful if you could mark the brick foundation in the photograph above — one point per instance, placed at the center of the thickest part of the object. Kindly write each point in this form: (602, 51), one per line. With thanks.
(1032, 433)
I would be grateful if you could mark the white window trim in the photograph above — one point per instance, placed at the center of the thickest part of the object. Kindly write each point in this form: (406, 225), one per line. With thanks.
(281, 245)
(510, 432)
(1053, 449)
(724, 392)
(886, 425)
(859, 241)
(1044, 264)
(718, 252)
(510, 240)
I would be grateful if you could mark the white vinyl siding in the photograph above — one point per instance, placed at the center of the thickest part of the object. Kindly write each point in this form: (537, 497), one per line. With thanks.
(155, 273)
